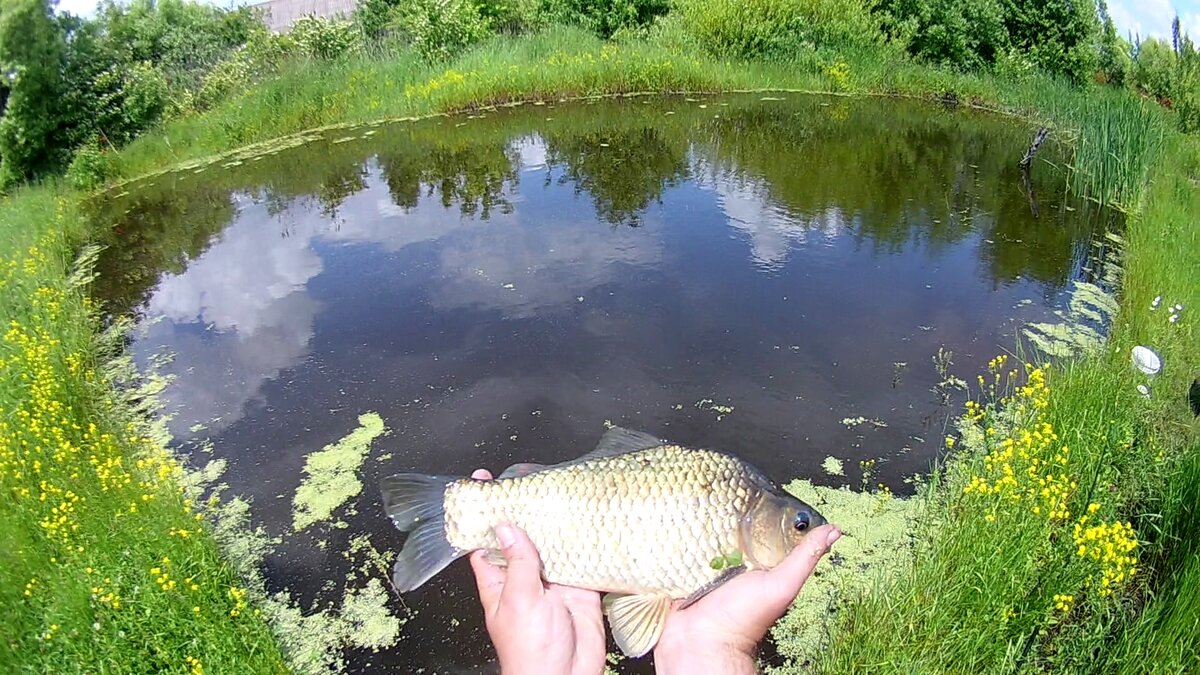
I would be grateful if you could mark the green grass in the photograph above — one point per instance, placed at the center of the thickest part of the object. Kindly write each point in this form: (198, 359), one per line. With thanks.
(1167, 634)
(89, 502)
(979, 594)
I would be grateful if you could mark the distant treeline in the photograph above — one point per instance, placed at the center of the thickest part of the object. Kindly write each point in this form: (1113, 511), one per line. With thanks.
(73, 88)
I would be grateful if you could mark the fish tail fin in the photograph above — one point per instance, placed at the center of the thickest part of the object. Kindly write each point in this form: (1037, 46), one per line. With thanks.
(415, 503)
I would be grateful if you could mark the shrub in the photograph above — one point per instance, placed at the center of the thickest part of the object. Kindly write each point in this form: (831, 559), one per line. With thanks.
(605, 17)
(260, 57)
(91, 168)
(1154, 68)
(952, 32)
(439, 29)
(326, 38)
(373, 17)
(31, 50)
(776, 29)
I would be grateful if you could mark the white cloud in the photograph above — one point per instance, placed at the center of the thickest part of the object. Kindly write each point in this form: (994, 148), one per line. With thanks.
(1191, 24)
(1153, 17)
(240, 314)
(773, 233)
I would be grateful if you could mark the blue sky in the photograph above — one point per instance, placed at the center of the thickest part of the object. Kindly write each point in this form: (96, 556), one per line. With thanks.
(1143, 17)
(1153, 17)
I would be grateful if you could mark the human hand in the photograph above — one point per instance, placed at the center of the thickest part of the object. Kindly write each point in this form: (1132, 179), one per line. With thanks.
(537, 628)
(719, 633)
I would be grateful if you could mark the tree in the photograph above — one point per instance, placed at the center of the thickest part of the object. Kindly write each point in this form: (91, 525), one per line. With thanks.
(1058, 35)
(963, 33)
(1154, 71)
(1113, 52)
(31, 56)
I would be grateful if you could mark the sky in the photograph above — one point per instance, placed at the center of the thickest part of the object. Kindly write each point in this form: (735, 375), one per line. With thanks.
(1141, 17)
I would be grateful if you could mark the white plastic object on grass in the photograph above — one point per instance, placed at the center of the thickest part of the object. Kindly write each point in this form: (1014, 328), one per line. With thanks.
(1145, 360)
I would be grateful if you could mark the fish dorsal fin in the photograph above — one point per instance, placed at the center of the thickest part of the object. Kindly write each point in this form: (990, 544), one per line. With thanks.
(521, 469)
(619, 441)
(615, 441)
(637, 620)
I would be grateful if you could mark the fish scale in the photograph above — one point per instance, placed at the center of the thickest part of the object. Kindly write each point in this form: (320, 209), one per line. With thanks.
(650, 520)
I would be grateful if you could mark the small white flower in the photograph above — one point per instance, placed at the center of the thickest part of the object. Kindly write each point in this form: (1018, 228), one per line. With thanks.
(1174, 318)
(1144, 390)
(1157, 301)
(1178, 308)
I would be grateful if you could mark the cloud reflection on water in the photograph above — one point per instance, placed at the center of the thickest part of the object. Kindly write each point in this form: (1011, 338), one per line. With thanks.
(241, 314)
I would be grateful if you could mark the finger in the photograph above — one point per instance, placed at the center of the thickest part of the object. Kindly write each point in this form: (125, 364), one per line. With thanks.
(586, 616)
(490, 581)
(523, 578)
(578, 600)
(481, 474)
(788, 577)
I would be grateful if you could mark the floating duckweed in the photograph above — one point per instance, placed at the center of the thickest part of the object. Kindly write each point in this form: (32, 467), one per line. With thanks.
(877, 529)
(332, 473)
(833, 466)
(855, 421)
(371, 625)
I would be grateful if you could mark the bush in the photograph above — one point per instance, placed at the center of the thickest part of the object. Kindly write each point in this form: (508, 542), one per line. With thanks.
(439, 29)
(91, 168)
(373, 17)
(777, 29)
(1154, 69)
(1187, 99)
(512, 16)
(326, 38)
(952, 32)
(605, 17)
(260, 57)
(31, 51)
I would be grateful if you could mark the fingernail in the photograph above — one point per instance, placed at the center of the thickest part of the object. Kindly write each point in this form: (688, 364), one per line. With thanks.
(505, 535)
(833, 536)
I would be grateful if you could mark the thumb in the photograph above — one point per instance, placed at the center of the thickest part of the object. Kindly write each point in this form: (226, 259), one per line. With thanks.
(788, 577)
(523, 581)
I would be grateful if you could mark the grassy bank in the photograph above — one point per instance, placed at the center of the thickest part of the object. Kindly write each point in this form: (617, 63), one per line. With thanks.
(91, 513)
(103, 562)
(568, 63)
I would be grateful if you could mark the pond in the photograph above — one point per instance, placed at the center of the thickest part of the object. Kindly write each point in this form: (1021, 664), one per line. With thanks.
(775, 276)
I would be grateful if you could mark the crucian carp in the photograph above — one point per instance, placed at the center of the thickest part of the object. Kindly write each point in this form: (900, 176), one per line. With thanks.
(644, 521)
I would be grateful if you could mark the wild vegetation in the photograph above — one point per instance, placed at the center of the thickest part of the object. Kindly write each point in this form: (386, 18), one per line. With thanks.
(1059, 530)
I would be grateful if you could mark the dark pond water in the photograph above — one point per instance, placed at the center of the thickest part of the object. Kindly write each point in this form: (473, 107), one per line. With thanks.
(496, 288)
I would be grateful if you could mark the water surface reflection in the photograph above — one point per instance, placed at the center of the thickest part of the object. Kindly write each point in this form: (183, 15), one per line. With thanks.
(499, 287)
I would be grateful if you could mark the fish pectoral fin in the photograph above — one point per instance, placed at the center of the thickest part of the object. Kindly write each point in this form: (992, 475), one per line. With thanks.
(636, 620)
(521, 469)
(727, 574)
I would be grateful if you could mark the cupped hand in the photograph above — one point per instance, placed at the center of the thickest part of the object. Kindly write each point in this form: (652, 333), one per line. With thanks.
(719, 633)
(537, 628)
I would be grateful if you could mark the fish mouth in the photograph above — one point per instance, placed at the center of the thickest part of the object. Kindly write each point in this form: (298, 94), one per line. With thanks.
(815, 519)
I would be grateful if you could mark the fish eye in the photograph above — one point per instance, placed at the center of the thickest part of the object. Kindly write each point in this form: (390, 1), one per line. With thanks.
(800, 522)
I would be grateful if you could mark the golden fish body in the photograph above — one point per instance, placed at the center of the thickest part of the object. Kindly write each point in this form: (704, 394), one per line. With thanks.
(647, 522)
(651, 520)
